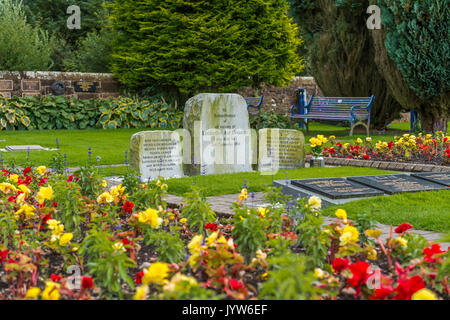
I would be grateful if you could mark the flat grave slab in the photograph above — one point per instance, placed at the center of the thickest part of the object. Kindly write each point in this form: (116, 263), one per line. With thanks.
(393, 184)
(24, 148)
(437, 177)
(337, 188)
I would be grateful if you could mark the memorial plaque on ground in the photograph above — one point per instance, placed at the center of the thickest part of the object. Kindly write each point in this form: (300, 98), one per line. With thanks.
(437, 177)
(24, 148)
(392, 184)
(156, 154)
(337, 188)
(280, 149)
(221, 139)
(85, 86)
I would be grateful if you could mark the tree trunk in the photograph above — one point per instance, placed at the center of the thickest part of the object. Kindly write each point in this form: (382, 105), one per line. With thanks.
(433, 120)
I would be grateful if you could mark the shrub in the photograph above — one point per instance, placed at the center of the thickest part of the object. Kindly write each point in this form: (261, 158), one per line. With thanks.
(269, 120)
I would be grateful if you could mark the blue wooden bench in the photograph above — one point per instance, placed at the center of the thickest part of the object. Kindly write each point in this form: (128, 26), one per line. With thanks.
(354, 110)
(254, 104)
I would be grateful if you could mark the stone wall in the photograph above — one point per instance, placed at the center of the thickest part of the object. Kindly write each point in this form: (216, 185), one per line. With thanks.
(78, 85)
(280, 100)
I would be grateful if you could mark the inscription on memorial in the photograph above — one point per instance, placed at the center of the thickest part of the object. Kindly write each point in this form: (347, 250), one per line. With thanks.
(5, 95)
(85, 86)
(392, 184)
(337, 188)
(437, 177)
(31, 85)
(6, 85)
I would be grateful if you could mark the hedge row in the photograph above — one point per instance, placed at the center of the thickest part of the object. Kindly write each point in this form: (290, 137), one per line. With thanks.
(59, 112)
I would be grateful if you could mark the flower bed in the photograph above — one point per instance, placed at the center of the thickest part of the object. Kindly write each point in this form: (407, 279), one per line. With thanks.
(68, 237)
(426, 149)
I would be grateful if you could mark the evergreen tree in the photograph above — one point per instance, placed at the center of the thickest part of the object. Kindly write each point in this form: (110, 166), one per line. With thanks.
(413, 53)
(341, 55)
(188, 46)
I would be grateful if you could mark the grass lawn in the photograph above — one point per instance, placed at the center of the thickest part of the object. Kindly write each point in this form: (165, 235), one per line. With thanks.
(215, 185)
(424, 210)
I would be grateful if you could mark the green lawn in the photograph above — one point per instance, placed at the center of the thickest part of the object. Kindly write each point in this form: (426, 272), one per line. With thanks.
(424, 210)
(215, 185)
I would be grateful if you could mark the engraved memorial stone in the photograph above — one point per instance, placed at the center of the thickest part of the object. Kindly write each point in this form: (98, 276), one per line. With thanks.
(399, 183)
(437, 177)
(85, 86)
(156, 154)
(6, 85)
(31, 85)
(281, 149)
(221, 139)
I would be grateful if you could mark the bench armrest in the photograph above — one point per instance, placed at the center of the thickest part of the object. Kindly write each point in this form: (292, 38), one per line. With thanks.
(299, 108)
(355, 116)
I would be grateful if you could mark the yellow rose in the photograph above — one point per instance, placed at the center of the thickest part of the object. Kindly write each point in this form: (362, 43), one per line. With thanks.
(150, 217)
(45, 193)
(195, 244)
(156, 273)
(349, 234)
(424, 294)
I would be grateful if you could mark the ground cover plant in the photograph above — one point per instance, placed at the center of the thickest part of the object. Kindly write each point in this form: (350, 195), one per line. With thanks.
(53, 224)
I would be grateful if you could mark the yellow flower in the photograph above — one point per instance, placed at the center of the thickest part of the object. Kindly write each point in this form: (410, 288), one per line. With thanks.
(211, 239)
(45, 193)
(118, 246)
(424, 294)
(28, 210)
(141, 293)
(41, 170)
(180, 282)
(315, 203)
(6, 188)
(164, 187)
(373, 233)
(150, 217)
(359, 141)
(104, 183)
(196, 244)
(24, 189)
(264, 276)
(117, 191)
(14, 178)
(183, 220)
(401, 241)
(65, 239)
(21, 198)
(243, 195)
(51, 291)
(156, 273)
(368, 139)
(319, 273)
(372, 253)
(349, 234)
(263, 211)
(341, 214)
(332, 137)
(32, 293)
(105, 197)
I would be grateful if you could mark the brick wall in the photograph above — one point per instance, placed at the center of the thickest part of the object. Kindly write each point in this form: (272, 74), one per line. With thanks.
(78, 85)
(280, 100)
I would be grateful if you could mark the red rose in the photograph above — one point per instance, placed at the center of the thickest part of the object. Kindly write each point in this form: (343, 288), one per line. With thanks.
(360, 271)
(382, 293)
(211, 226)
(236, 284)
(138, 278)
(407, 287)
(55, 278)
(26, 170)
(430, 252)
(128, 207)
(339, 264)
(403, 228)
(87, 282)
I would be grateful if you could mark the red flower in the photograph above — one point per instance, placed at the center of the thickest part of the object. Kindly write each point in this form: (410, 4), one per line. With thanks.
(382, 293)
(339, 264)
(403, 228)
(3, 255)
(366, 156)
(128, 207)
(391, 145)
(87, 282)
(407, 287)
(125, 241)
(5, 172)
(26, 170)
(138, 278)
(55, 278)
(43, 181)
(447, 152)
(211, 226)
(236, 284)
(430, 252)
(360, 271)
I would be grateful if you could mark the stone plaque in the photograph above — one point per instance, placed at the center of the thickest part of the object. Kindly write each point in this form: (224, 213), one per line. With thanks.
(156, 154)
(221, 139)
(399, 183)
(24, 148)
(337, 188)
(281, 149)
(437, 177)
(6, 85)
(30, 94)
(5, 95)
(31, 85)
(85, 86)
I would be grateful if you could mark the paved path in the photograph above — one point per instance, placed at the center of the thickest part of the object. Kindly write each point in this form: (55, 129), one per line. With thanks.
(222, 206)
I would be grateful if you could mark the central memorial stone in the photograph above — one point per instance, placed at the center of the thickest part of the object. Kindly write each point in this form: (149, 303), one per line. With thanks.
(397, 183)
(280, 149)
(156, 154)
(437, 177)
(337, 188)
(221, 140)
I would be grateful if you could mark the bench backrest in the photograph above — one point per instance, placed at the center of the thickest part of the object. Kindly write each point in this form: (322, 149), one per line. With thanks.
(254, 101)
(339, 105)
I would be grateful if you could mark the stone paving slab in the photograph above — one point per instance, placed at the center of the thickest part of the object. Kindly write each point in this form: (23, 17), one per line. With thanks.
(222, 206)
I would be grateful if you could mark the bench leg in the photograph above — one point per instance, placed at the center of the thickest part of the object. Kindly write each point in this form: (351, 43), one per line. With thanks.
(359, 123)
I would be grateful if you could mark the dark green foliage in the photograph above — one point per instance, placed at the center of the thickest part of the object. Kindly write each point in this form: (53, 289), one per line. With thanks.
(413, 51)
(168, 245)
(69, 113)
(340, 53)
(184, 47)
(269, 120)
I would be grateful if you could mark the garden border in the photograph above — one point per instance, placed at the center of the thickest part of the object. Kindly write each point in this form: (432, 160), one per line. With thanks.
(385, 165)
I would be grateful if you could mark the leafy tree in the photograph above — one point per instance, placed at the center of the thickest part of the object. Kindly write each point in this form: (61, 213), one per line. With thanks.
(340, 53)
(187, 46)
(413, 54)
(22, 47)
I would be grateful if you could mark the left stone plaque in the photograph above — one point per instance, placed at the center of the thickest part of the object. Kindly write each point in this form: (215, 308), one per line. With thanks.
(156, 154)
